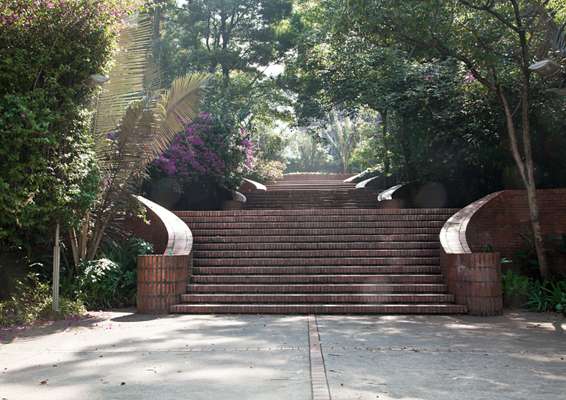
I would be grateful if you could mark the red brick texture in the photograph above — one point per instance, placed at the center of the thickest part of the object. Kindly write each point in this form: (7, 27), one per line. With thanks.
(338, 261)
(504, 223)
(162, 278)
(476, 237)
(161, 282)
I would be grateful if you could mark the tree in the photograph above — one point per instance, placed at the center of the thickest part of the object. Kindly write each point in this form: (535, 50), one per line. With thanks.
(48, 52)
(135, 122)
(495, 40)
(226, 36)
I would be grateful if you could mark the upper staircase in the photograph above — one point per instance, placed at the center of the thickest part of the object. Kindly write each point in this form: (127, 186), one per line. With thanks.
(303, 250)
(300, 191)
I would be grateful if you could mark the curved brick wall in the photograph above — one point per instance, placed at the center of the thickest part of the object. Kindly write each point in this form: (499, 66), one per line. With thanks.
(476, 237)
(162, 278)
(503, 223)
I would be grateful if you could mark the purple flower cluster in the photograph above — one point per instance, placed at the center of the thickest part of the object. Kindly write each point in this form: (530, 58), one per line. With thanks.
(249, 159)
(190, 155)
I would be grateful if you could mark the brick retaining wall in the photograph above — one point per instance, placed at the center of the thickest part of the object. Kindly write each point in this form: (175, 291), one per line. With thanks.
(475, 239)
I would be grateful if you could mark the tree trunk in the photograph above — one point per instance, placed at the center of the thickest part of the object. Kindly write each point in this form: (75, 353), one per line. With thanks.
(531, 187)
(386, 161)
(410, 170)
(526, 171)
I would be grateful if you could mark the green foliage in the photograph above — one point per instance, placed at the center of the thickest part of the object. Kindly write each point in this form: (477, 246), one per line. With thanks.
(268, 170)
(46, 161)
(241, 43)
(31, 301)
(225, 36)
(515, 284)
(110, 281)
(548, 296)
(421, 65)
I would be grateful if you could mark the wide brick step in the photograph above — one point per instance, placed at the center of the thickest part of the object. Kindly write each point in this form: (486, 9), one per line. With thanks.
(327, 270)
(319, 308)
(317, 261)
(318, 288)
(278, 279)
(260, 238)
(347, 245)
(312, 231)
(316, 225)
(244, 218)
(311, 186)
(274, 206)
(337, 211)
(224, 254)
(326, 298)
(311, 190)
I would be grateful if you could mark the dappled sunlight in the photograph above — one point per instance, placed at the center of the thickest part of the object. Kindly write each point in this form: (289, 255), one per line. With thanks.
(189, 355)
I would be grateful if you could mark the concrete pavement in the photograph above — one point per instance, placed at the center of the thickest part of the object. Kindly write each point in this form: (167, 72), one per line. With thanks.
(119, 355)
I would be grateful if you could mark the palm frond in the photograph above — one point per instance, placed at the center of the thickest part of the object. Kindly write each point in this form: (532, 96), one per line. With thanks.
(132, 74)
(179, 104)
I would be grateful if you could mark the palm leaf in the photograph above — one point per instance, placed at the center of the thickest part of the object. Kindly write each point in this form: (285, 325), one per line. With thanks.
(133, 72)
(178, 105)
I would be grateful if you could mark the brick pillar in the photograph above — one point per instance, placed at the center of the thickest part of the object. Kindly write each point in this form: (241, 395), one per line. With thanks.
(161, 281)
(475, 281)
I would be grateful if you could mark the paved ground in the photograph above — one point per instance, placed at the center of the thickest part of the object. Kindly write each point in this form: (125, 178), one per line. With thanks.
(124, 356)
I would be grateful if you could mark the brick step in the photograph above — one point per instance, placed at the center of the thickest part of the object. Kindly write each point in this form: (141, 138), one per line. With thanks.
(308, 197)
(326, 270)
(318, 261)
(312, 239)
(310, 188)
(326, 298)
(310, 201)
(318, 309)
(314, 231)
(337, 211)
(282, 279)
(318, 288)
(223, 254)
(192, 219)
(324, 185)
(347, 245)
(305, 206)
(316, 225)
(316, 201)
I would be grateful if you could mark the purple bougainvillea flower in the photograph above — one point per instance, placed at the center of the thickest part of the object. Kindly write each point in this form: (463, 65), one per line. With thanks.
(209, 148)
(112, 135)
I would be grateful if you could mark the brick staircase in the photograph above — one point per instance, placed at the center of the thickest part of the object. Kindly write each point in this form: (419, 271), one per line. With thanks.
(339, 259)
(311, 191)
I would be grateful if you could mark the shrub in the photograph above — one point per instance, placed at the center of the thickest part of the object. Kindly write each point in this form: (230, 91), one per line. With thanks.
(548, 296)
(268, 170)
(46, 158)
(515, 284)
(32, 301)
(111, 281)
(209, 152)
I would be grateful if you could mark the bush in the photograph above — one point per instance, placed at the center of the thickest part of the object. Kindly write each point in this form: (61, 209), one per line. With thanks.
(46, 157)
(515, 284)
(211, 154)
(111, 281)
(548, 296)
(268, 171)
(32, 301)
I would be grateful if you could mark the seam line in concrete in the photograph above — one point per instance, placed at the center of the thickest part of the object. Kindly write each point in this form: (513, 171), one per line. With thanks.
(319, 381)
